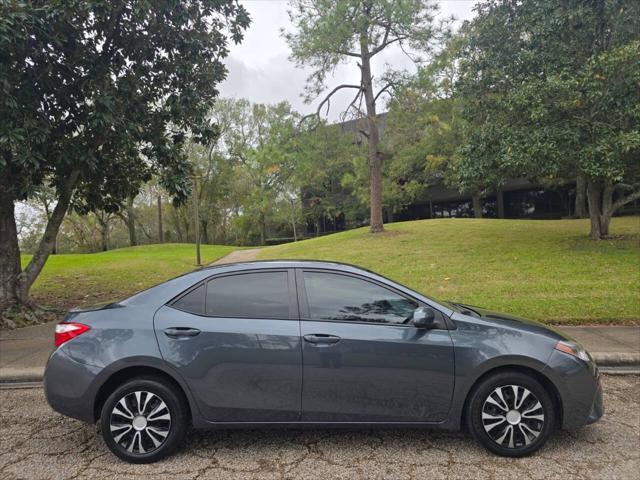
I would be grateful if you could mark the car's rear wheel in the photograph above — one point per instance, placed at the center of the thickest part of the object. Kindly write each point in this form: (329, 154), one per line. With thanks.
(511, 414)
(144, 420)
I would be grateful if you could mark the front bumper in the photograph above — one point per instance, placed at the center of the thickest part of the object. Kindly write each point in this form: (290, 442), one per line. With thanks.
(597, 409)
(68, 386)
(578, 384)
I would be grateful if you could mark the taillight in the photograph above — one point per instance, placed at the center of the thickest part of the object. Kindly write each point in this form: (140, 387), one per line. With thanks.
(65, 331)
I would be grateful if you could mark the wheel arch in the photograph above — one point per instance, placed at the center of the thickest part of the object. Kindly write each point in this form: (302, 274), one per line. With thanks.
(126, 373)
(537, 375)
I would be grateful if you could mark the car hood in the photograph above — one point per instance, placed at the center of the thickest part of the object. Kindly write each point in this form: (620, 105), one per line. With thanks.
(506, 320)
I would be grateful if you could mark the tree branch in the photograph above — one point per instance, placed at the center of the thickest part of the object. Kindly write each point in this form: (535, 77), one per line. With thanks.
(353, 105)
(626, 186)
(383, 44)
(349, 54)
(414, 60)
(624, 200)
(33, 269)
(328, 97)
(326, 101)
(384, 89)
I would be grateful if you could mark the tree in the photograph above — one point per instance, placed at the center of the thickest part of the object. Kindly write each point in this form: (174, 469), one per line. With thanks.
(424, 130)
(551, 92)
(97, 96)
(330, 32)
(256, 141)
(328, 162)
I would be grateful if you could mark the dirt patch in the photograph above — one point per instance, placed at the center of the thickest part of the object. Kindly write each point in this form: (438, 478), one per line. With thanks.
(26, 315)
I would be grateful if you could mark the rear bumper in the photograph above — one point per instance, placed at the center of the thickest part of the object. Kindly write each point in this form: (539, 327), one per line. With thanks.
(68, 386)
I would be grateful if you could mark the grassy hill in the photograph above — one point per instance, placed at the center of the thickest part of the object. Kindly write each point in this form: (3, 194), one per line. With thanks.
(70, 280)
(546, 270)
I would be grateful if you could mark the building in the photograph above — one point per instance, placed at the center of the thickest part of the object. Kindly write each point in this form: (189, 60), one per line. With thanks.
(518, 198)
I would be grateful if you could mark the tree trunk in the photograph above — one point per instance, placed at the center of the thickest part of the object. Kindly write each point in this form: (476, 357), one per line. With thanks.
(176, 221)
(263, 229)
(581, 196)
(47, 212)
(293, 221)
(602, 206)
(131, 223)
(204, 231)
(373, 139)
(9, 252)
(14, 283)
(160, 226)
(104, 239)
(103, 221)
(594, 197)
(477, 205)
(500, 202)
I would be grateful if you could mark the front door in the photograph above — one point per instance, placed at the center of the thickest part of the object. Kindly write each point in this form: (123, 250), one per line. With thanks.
(236, 341)
(362, 359)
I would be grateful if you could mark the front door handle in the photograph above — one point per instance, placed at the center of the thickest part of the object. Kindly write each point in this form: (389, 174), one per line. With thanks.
(321, 338)
(178, 332)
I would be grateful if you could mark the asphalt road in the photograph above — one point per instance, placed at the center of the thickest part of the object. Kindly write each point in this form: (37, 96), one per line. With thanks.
(36, 443)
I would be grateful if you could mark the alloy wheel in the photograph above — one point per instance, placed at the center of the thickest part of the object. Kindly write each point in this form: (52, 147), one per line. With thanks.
(512, 416)
(140, 422)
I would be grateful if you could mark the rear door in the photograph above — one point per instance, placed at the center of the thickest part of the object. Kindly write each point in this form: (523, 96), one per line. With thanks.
(236, 340)
(362, 359)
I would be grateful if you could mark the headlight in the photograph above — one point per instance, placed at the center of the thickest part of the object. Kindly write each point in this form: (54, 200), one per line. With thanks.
(575, 349)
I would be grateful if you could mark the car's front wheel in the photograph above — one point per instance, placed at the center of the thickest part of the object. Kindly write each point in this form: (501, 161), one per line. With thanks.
(144, 420)
(511, 414)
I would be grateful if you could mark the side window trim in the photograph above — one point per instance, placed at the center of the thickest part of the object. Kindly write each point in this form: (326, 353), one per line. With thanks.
(291, 295)
(172, 303)
(292, 314)
(304, 301)
(303, 304)
(294, 304)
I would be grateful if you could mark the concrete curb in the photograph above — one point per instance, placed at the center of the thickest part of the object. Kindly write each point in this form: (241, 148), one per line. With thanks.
(19, 375)
(614, 359)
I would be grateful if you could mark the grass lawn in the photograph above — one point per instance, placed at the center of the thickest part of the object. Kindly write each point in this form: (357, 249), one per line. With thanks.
(545, 270)
(70, 280)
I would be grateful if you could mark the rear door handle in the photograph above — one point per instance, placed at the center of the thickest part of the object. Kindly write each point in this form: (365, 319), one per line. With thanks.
(321, 338)
(177, 332)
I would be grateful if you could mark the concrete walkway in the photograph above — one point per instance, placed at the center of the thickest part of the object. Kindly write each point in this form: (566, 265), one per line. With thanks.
(238, 256)
(24, 351)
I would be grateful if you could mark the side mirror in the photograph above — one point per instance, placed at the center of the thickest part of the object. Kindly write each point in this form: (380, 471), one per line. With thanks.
(424, 317)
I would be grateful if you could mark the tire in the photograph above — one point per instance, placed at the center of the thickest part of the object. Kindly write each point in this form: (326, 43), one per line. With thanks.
(152, 435)
(493, 423)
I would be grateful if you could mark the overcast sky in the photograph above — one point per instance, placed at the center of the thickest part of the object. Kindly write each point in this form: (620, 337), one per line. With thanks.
(260, 70)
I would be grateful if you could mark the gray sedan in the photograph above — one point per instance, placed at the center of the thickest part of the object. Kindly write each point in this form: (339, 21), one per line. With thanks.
(306, 343)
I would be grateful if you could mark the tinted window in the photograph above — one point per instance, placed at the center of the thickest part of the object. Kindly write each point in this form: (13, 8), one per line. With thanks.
(252, 295)
(192, 302)
(339, 297)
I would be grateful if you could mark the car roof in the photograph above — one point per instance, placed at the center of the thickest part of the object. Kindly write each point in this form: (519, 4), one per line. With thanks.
(289, 263)
(164, 292)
